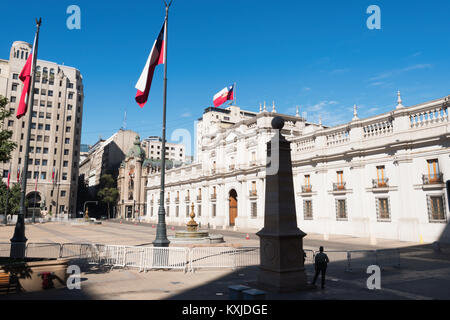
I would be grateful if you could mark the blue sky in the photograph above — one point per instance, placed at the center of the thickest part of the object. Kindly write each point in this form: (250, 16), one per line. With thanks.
(316, 54)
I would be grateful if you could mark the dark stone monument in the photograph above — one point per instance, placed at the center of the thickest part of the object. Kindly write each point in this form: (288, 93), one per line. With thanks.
(281, 241)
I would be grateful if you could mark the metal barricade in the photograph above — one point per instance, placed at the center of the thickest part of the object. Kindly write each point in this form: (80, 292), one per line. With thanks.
(387, 258)
(359, 260)
(213, 257)
(246, 256)
(5, 249)
(165, 258)
(309, 256)
(43, 250)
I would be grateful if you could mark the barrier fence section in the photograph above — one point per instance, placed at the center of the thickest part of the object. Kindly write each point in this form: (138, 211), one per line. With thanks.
(5, 248)
(43, 250)
(223, 257)
(191, 259)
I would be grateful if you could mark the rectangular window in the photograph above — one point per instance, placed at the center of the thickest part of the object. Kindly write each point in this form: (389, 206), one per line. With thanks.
(341, 209)
(340, 178)
(177, 211)
(383, 209)
(64, 176)
(307, 180)
(199, 210)
(14, 87)
(43, 175)
(63, 193)
(307, 210)
(433, 169)
(167, 211)
(254, 209)
(47, 127)
(44, 162)
(213, 210)
(13, 99)
(436, 208)
(187, 210)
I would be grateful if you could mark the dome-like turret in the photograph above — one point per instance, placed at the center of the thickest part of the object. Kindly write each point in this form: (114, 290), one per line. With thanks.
(136, 150)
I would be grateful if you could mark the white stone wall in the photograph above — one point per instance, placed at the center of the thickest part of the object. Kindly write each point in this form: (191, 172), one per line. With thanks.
(402, 141)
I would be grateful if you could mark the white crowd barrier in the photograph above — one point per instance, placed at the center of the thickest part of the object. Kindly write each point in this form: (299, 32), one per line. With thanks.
(191, 259)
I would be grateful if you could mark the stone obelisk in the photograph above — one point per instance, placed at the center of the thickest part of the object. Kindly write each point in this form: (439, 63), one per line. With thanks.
(281, 241)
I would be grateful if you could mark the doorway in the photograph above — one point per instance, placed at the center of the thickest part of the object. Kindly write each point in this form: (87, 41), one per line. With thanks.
(233, 206)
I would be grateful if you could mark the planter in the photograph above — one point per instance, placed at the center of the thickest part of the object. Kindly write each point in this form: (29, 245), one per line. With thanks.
(39, 274)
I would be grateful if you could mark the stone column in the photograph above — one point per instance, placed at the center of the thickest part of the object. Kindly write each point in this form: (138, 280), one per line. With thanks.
(281, 241)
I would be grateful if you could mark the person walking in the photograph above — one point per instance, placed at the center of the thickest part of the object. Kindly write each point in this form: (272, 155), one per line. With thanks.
(321, 262)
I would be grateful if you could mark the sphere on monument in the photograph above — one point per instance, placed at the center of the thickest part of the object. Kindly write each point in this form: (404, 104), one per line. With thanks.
(278, 123)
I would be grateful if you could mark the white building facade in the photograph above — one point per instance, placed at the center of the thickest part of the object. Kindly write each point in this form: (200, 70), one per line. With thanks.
(380, 177)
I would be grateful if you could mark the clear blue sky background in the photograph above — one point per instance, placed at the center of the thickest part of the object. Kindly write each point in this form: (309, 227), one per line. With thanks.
(316, 54)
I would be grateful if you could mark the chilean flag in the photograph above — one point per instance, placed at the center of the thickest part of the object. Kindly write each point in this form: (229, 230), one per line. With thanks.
(223, 95)
(25, 77)
(157, 56)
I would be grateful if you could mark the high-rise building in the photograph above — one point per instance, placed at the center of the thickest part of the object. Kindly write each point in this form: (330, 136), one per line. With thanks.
(174, 151)
(55, 131)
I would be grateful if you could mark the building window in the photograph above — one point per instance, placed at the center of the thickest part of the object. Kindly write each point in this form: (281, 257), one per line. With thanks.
(43, 175)
(167, 211)
(383, 209)
(433, 171)
(254, 209)
(63, 193)
(64, 176)
(14, 87)
(47, 127)
(199, 210)
(307, 210)
(341, 209)
(177, 211)
(213, 210)
(436, 208)
(187, 210)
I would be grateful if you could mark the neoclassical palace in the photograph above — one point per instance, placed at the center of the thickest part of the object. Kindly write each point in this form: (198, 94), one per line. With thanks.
(379, 177)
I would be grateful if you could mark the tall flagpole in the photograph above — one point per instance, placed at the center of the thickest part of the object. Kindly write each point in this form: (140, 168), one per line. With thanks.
(19, 240)
(161, 229)
(234, 94)
(5, 220)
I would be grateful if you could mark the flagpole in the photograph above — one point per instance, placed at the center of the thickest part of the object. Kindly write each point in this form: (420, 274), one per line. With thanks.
(161, 229)
(234, 94)
(19, 240)
(5, 221)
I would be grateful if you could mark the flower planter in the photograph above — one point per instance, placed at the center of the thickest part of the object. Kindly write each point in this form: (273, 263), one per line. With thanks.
(39, 274)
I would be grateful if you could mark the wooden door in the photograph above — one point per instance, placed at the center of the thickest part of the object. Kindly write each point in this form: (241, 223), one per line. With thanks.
(233, 209)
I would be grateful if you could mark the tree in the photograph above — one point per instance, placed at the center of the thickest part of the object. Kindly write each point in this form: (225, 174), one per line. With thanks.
(108, 191)
(13, 198)
(6, 145)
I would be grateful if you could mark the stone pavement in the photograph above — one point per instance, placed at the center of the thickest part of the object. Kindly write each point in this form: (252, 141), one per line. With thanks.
(424, 274)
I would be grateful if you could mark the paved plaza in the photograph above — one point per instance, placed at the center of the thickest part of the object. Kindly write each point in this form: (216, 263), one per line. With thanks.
(423, 274)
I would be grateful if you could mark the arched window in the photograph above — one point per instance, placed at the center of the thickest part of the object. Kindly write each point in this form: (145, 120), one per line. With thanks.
(45, 71)
(26, 55)
(21, 56)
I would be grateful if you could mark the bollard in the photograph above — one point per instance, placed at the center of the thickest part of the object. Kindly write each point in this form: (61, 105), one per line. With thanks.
(254, 294)
(235, 291)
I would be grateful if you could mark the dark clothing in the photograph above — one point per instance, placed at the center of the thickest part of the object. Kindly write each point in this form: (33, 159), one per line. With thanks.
(321, 262)
(320, 269)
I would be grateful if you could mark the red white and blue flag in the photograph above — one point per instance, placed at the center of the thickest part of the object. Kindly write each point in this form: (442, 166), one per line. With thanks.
(223, 95)
(25, 77)
(156, 57)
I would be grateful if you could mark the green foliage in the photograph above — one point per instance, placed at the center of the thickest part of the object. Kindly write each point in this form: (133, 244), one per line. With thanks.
(108, 190)
(13, 198)
(6, 145)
